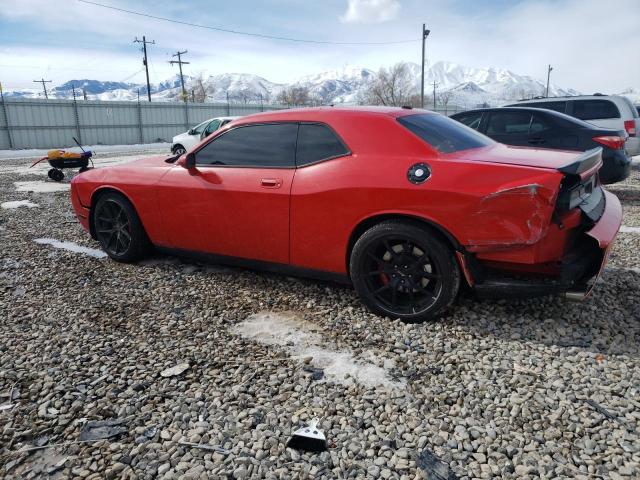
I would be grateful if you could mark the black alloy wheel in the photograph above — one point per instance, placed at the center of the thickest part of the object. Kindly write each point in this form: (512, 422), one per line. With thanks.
(402, 270)
(118, 228)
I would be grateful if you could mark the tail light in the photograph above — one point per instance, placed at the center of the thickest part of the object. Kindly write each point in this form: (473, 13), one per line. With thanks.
(630, 127)
(611, 141)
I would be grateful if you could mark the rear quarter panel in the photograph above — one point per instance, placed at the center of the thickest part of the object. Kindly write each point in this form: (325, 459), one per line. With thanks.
(480, 204)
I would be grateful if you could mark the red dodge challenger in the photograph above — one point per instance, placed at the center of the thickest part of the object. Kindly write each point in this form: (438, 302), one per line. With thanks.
(406, 204)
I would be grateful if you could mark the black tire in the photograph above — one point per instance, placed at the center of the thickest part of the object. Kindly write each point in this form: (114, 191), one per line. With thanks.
(401, 269)
(55, 174)
(179, 149)
(118, 228)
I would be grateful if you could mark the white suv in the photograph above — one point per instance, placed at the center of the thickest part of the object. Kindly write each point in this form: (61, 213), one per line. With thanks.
(186, 141)
(607, 111)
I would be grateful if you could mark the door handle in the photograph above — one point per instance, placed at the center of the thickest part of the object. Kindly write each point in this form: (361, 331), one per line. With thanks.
(536, 141)
(271, 182)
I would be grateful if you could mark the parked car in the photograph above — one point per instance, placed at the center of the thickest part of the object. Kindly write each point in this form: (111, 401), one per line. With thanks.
(606, 111)
(185, 141)
(533, 127)
(405, 204)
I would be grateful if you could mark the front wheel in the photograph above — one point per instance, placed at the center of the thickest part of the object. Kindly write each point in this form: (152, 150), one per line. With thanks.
(179, 150)
(118, 228)
(403, 270)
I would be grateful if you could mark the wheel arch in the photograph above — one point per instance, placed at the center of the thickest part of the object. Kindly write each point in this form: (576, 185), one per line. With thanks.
(369, 222)
(95, 196)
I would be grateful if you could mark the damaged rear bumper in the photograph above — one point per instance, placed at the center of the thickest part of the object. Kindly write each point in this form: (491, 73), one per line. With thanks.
(579, 268)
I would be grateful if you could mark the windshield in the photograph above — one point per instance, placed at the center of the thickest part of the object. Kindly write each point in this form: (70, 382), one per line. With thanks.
(444, 134)
(198, 128)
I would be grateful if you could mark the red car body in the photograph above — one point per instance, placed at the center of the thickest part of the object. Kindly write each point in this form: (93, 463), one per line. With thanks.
(497, 206)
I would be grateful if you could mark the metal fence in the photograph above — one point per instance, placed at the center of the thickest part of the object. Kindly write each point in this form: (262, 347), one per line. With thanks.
(40, 123)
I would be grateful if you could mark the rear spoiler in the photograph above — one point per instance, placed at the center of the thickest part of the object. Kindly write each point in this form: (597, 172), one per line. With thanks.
(585, 164)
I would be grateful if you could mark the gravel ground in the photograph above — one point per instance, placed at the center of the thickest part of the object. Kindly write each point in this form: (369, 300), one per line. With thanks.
(514, 389)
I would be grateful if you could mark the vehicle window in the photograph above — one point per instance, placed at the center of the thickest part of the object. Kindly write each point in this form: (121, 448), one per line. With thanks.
(555, 106)
(212, 127)
(266, 146)
(317, 142)
(471, 120)
(539, 123)
(200, 127)
(443, 133)
(593, 109)
(508, 123)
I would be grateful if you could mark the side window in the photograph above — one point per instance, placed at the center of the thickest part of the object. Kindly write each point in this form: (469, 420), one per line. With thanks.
(199, 128)
(265, 146)
(471, 119)
(212, 127)
(555, 106)
(594, 109)
(508, 123)
(539, 124)
(317, 142)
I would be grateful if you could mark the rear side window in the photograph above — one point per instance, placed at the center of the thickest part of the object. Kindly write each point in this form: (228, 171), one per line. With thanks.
(471, 120)
(595, 109)
(317, 142)
(539, 123)
(444, 134)
(261, 146)
(508, 123)
(555, 106)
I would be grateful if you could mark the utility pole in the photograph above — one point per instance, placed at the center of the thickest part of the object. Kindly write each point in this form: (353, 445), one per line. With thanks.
(44, 87)
(180, 63)
(144, 43)
(548, 75)
(425, 34)
(434, 94)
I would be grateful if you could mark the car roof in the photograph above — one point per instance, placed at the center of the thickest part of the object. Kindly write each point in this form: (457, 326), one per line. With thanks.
(323, 113)
(540, 111)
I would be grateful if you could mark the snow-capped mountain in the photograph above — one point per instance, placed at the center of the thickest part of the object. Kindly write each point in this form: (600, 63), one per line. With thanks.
(467, 86)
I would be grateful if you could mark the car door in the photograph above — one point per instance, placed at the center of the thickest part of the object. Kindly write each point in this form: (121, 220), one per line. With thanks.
(509, 127)
(235, 201)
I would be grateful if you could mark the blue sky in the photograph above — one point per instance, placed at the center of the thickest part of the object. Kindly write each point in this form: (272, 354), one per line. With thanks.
(592, 44)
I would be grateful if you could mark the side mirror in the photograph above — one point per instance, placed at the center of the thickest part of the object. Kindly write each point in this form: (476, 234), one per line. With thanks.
(190, 160)
(191, 132)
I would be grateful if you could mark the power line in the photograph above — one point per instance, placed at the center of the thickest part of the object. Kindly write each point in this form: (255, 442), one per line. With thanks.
(44, 87)
(239, 32)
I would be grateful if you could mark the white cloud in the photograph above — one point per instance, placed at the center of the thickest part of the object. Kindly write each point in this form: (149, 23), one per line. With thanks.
(371, 11)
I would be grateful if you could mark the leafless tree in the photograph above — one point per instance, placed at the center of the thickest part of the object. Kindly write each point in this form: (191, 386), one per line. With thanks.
(200, 89)
(294, 95)
(445, 97)
(392, 87)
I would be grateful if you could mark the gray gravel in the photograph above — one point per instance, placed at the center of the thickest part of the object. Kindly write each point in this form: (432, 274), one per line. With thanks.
(515, 389)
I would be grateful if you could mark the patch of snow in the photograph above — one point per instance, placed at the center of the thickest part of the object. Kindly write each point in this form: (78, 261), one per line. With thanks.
(626, 229)
(70, 246)
(301, 339)
(41, 187)
(18, 204)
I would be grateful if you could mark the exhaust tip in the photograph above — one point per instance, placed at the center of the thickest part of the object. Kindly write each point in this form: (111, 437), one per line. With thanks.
(574, 295)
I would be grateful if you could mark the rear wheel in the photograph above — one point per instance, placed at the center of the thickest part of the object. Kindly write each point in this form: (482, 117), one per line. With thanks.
(118, 228)
(403, 270)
